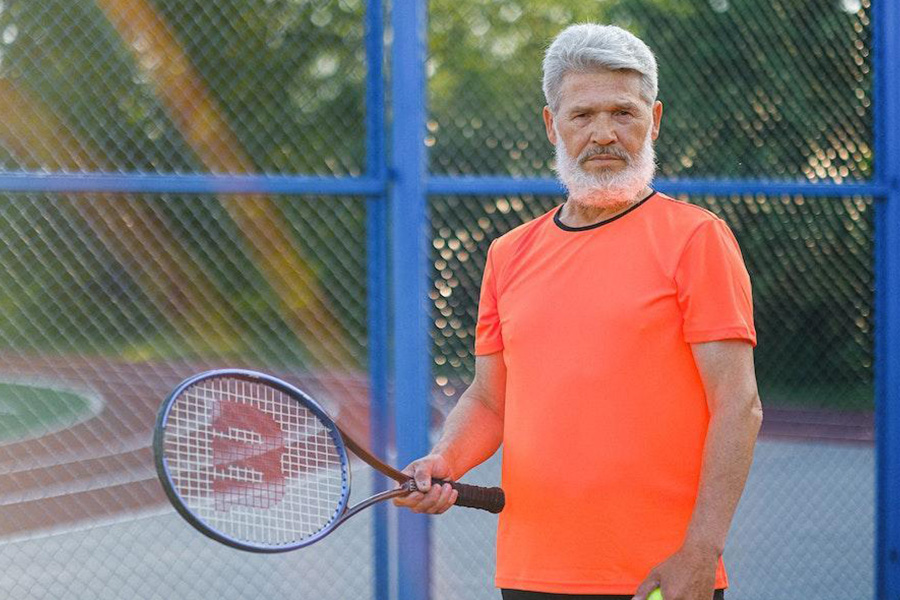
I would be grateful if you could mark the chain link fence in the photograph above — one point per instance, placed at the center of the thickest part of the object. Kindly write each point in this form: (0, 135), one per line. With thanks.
(762, 90)
(808, 513)
(810, 260)
(187, 86)
(767, 89)
(111, 299)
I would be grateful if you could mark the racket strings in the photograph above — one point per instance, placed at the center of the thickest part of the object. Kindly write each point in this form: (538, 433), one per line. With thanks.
(253, 463)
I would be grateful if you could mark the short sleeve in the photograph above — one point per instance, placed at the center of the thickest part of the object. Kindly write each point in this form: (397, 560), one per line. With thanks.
(488, 338)
(714, 287)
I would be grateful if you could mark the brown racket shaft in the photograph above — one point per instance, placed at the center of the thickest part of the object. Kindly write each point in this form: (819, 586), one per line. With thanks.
(491, 499)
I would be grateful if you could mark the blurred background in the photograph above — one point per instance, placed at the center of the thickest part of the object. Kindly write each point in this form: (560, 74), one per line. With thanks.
(117, 283)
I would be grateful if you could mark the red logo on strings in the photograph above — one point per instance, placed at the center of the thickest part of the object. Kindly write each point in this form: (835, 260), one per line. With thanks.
(247, 450)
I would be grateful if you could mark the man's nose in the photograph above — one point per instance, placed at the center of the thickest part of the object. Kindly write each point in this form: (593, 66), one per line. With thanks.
(602, 131)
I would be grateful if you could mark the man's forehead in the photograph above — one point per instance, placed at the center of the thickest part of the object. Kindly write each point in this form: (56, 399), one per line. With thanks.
(602, 85)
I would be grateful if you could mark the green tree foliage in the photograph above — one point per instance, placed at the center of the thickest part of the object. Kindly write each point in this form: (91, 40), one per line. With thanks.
(752, 89)
(768, 89)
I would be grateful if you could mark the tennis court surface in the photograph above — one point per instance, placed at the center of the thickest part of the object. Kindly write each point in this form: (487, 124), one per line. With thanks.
(85, 517)
(310, 189)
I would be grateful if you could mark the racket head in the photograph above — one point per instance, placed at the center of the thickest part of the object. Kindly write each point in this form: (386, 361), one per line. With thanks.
(251, 461)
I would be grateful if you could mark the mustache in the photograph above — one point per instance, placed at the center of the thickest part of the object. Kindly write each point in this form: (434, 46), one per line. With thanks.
(610, 151)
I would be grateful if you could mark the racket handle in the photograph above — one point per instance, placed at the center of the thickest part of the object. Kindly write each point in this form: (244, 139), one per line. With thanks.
(491, 499)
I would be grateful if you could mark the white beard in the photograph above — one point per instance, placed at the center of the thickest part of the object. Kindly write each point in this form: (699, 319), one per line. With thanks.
(608, 190)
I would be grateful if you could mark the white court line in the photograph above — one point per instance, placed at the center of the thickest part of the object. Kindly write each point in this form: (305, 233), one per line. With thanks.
(110, 449)
(85, 484)
(95, 405)
(130, 516)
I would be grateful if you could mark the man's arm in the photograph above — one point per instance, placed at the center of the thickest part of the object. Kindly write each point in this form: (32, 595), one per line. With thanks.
(472, 433)
(726, 368)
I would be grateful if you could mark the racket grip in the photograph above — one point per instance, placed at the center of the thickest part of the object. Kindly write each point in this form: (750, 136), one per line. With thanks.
(491, 499)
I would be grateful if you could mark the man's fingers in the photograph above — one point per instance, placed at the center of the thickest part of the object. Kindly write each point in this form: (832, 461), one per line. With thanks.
(648, 585)
(428, 498)
(422, 475)
(432, 501)
(448, 498)
(409, 500)
(436, 501)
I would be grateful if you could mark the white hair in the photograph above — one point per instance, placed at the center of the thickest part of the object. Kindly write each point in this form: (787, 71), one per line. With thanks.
(606, 190)
(590, 47)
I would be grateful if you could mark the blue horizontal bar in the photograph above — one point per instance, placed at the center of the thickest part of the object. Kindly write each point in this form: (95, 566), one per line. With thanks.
(738, 187)
(152, 183)
(487, 186)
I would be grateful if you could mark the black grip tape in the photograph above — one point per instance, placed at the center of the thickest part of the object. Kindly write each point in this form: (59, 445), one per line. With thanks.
(491, 499)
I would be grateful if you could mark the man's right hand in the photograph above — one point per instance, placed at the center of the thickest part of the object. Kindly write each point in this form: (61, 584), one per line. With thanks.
(430, 499)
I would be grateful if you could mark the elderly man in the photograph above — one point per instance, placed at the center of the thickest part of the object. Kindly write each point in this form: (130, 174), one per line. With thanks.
(614, 359)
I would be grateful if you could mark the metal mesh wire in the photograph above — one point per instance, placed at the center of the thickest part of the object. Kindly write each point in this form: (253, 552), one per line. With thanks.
(140, 275)
(806, 518)
(810, 260)
(770, 89)
(774, 89)
(111, 301)
(159, 557)
(182, 86)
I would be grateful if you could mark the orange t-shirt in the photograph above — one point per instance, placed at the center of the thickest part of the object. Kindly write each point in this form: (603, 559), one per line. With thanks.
(606, 415)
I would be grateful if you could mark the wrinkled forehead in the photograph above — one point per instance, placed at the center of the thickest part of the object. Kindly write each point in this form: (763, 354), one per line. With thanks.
(601, 87)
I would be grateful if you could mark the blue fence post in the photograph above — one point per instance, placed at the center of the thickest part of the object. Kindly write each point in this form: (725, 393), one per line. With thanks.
(376, 284)
(886, 23)
(409, 262)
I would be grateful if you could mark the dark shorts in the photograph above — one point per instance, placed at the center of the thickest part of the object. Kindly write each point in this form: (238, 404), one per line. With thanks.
(520, 595)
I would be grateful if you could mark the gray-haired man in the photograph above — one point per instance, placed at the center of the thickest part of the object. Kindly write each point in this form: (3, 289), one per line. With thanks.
(613, 359)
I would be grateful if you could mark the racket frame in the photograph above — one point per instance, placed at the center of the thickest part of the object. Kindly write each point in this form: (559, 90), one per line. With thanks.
(490, 499)
(340, 514)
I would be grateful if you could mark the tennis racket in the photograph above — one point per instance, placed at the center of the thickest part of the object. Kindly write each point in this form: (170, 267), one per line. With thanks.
(253, 462)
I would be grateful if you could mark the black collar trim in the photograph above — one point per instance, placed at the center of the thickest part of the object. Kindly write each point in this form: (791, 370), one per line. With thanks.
(565, 227)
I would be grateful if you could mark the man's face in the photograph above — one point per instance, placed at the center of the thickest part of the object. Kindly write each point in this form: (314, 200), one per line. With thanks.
(604, 132)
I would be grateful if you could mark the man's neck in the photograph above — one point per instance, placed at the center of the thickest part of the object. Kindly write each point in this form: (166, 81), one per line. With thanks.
(576, 214)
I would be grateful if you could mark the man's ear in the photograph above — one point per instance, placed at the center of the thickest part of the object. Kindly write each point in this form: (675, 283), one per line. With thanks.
(657, 119)
(548, 124)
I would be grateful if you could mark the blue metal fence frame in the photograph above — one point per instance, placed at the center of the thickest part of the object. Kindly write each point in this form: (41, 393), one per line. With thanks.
(409, 264)
(378, 312)
(397, 190)
(886, 23)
